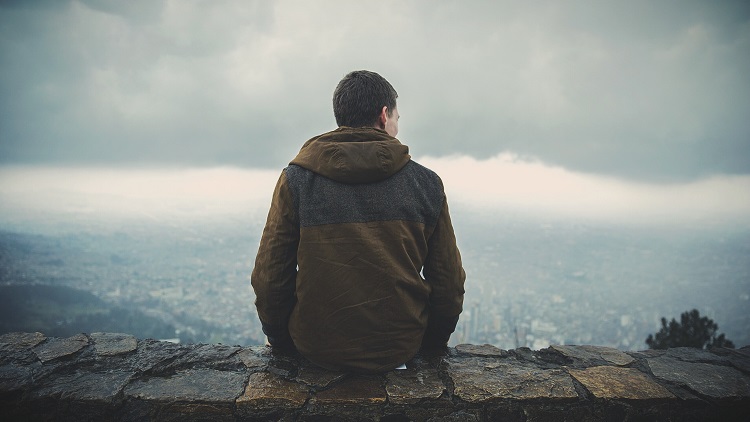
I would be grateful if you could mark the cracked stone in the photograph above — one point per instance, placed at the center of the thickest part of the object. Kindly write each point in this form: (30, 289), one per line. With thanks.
(486, 350)
(153, 355)
(358, 390)
(254, 357)
(691, 354)
(412, 386)
(17, 347)
(15, 377)
(478, 380)
(111, 344)
(592, 354)
(611, 382)
(740, 361)
(204, 385)
(19, 341)
(318, 378)
(705, 379)
(101, 387)
(270, 391)
(208, 356)
(56, 348)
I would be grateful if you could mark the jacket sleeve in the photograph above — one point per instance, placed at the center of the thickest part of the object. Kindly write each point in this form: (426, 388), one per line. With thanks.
(274, 276)
(444, 272)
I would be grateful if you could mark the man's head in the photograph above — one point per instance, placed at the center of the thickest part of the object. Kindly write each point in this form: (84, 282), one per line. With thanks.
(365, 99)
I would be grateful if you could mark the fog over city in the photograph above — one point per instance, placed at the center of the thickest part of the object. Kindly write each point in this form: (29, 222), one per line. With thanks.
(492, 185)
(594, 154)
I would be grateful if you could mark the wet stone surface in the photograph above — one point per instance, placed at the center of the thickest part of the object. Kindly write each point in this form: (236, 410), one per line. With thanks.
(266, 390)
(738, 358)
(111, 344)
(154, 356)
(594, 355)
(207, 356)
(85, 386)
(479, 380)
(318, 378)
(15, 377)
(20, 341)
(204, 385)
(60, 347)
(356, 389)
(707, 380)
(611, 382)
(413, 385)
(486, 350)
(254, 357)
(108, 376)
(691, 354)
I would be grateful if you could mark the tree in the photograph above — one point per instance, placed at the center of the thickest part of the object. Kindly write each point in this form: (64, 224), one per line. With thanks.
(692, 331)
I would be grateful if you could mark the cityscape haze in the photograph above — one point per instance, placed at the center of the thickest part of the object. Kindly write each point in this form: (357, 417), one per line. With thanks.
(535, 276)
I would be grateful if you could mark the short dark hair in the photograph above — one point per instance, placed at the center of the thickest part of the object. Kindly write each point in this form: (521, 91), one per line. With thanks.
(360, 96)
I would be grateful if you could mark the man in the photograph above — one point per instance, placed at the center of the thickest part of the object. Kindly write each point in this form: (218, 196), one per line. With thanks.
(353, 226)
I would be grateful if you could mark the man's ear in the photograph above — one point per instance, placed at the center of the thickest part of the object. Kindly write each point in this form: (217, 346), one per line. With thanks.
(383, 118)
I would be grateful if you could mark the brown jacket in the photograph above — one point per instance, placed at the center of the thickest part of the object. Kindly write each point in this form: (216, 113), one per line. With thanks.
(358, 265)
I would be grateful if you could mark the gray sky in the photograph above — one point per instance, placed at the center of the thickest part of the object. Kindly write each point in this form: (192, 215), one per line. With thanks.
(649, 91)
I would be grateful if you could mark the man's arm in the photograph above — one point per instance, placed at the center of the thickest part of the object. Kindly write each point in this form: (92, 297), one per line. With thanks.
(444, 272)
(274, 276)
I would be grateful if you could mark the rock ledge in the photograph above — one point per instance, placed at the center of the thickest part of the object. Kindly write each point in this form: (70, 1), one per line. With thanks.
(107, 376)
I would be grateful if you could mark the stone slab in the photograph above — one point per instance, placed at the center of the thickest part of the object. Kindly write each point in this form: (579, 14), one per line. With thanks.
(17, 347)
(254, 357)
(18, 341)
(204, 385)
(59, 347)
(318, 378)
(85, 386)
(208, 356)
(112, 344)
(486, 350)
(739, 358)
(14, 377)
(611, 382)
(357, 390)
(593, 354)
(266, 390)
(154, 356)
(692, 354)
(413, 386)
(714, 381)
(480, 380)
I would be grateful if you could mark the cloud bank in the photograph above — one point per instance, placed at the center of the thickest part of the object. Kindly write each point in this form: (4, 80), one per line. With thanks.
(507, 182)
(502, 184)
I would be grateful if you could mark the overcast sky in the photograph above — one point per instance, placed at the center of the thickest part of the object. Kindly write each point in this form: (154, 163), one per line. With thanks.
(653, 91)
(637, 108)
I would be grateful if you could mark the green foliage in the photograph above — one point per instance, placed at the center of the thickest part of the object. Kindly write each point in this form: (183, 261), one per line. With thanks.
(692, 331)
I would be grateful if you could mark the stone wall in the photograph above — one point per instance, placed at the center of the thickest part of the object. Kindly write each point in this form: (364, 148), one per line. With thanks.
(106, 376)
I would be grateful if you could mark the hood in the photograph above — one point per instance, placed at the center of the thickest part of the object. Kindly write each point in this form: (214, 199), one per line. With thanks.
(353, 155)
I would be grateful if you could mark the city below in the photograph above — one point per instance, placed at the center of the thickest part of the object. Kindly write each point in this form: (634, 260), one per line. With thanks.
(530, 283)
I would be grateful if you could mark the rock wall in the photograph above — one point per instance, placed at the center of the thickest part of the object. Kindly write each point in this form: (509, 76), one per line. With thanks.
(104, 376)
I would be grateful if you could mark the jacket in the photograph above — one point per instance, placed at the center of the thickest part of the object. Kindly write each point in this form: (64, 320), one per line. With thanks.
(358, 265)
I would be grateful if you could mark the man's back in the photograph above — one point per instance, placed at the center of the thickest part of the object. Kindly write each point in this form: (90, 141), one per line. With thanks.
(353, 227)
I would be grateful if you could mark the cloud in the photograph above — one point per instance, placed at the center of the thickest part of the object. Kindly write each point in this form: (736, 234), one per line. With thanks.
(60, 193)
(504, 183)
(508, 182)
(639, 90)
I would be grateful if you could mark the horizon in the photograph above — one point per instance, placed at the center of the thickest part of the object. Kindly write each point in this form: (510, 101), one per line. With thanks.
(504, 183)
(583, 120)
